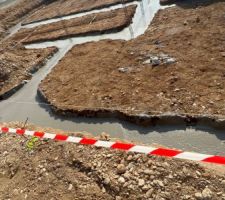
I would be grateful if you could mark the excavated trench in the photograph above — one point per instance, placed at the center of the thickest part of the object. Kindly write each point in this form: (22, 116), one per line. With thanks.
(27, 104)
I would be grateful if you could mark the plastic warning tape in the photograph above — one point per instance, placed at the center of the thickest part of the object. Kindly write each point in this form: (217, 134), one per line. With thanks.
(120, 146)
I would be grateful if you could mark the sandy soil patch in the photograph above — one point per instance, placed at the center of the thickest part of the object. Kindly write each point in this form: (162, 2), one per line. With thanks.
(98, 23)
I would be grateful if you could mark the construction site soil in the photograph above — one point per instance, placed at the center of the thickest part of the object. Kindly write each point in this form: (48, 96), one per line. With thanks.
(12, 15)
(127, 76)
(16, 62)
(98, 23)
(63, 8)
(177, 65)
(57, 170)
(17, 65)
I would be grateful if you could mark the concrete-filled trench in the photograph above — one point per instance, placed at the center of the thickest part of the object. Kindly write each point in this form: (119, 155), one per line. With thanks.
(6, 3)
(26, 103)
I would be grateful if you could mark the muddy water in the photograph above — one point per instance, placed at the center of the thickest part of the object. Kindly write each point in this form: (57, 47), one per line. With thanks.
(26, 103)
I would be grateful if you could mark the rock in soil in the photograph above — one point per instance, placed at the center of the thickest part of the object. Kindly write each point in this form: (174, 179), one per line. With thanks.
(58, 170)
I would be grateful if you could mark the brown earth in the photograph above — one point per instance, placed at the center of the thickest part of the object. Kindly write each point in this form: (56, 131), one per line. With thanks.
(12, 15)
(63, 171)
(67, 7)
(125, 76)
(17, 64)
(98, 23)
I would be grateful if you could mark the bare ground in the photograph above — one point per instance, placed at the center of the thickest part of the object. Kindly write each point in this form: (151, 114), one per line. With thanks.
(98, 23)
(122, 75)
(10, 16)
(56, 170)
(62, 8)
(17, 64)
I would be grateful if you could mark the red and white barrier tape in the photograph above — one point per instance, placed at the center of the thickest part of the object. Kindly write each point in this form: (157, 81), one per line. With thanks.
(120, 146)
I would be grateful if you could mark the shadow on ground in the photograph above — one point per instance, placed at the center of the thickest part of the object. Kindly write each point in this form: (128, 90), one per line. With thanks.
(190, 4)
(144, 130)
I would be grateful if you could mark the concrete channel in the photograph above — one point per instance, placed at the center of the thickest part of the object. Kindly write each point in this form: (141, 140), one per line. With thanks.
(26, 103)
(6, 3)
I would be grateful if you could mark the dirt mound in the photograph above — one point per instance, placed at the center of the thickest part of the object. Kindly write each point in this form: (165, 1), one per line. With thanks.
(55, 170)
